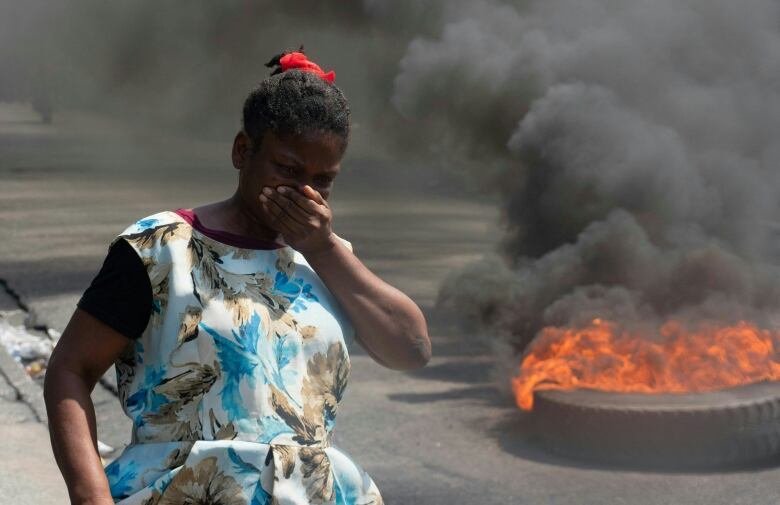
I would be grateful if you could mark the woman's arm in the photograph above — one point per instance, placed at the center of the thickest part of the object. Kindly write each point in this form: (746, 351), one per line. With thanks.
(389, 325)
(86, 349)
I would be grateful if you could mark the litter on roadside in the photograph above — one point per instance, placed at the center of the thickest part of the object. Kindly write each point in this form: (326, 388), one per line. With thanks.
(23, 345)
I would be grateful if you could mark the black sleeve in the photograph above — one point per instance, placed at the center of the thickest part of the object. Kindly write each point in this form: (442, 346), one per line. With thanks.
(120, 294)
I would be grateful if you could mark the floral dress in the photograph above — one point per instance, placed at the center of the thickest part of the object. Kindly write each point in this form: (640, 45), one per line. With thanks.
(234, 386)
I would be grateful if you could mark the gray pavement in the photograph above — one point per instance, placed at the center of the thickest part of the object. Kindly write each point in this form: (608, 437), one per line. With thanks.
(439, 435)
(28, 472)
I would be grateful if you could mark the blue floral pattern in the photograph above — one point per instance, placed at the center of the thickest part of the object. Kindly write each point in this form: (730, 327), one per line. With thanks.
(234, 386)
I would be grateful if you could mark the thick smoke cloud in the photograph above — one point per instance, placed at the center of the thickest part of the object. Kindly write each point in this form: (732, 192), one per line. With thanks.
(639, 158)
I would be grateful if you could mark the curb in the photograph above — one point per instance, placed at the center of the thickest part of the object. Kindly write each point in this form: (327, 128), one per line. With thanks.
(27, 390)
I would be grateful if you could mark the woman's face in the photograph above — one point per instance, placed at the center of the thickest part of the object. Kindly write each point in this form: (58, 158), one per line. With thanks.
(312, 158)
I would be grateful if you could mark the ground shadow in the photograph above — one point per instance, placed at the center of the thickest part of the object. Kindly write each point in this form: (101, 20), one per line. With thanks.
(463, 371)
(515, 434)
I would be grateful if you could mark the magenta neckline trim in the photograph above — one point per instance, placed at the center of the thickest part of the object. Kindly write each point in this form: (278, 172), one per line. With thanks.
(226, 237)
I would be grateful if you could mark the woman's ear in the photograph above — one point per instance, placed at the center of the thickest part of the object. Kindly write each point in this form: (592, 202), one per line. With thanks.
(242, 150)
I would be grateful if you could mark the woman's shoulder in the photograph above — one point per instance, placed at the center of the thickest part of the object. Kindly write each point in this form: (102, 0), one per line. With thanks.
(154, 230)
(162, 218)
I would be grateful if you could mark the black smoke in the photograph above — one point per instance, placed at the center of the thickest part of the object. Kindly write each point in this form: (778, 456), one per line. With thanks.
(633, 146)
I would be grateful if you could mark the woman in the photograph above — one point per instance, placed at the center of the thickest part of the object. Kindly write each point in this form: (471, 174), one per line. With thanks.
(229, 324)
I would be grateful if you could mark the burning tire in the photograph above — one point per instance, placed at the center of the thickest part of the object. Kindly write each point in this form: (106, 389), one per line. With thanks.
(731, 427)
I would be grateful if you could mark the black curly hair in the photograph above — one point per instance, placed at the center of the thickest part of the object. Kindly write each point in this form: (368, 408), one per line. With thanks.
(295, 102)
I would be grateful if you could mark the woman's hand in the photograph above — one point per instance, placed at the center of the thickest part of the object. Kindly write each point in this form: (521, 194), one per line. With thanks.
(304, 219)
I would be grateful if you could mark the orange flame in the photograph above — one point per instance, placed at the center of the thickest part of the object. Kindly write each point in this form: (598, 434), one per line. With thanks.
(603, 356)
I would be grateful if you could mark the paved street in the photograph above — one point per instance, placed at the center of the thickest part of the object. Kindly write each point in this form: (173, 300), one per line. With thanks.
(28, 472)
(438, 435)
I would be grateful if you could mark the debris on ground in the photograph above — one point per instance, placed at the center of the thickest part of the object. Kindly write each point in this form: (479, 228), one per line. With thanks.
(32, 351)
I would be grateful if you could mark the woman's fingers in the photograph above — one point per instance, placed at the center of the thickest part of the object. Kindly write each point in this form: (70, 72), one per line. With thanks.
(291, 208)
(301, 208)
(313, 194)
(306, 204)
(280, 211)
(285, 227)
(304, 223)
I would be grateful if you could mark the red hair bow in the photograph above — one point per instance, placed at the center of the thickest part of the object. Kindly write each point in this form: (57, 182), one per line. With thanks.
(301, 62)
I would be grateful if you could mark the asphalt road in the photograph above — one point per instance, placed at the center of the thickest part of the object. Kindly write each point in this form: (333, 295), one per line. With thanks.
(438, 435)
